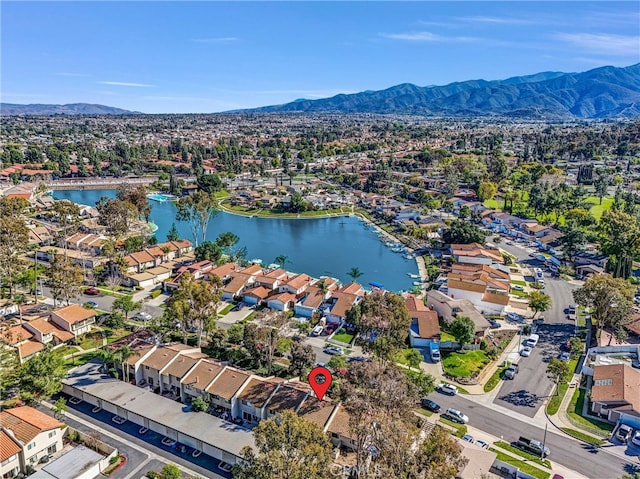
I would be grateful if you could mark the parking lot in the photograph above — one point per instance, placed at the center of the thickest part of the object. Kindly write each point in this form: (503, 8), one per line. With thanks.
(174, 452)
(525, 393)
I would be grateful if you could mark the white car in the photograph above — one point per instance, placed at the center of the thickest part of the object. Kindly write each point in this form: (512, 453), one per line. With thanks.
(142, 316)
(456, 416)
(636, 438)
(517, 287)
(333, 350)
(449, 389)
(514, 317)
(526, 351)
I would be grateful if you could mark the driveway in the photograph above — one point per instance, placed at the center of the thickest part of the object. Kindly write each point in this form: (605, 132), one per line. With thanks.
(531, 386)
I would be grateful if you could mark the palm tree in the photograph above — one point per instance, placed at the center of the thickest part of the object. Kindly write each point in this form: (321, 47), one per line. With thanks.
(354, 273)
(281, 260)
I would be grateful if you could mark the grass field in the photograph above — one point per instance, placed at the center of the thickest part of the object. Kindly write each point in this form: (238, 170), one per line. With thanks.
(531, 457)
(574, 411)
(343, 336)
(464, 365)
(495, 378)
(583, 437)
(597, 209)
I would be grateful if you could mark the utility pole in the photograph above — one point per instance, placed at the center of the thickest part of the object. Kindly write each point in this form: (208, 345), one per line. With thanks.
(544, 440)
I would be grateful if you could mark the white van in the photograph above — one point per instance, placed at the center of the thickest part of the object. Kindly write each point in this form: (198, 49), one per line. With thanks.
(533, 340)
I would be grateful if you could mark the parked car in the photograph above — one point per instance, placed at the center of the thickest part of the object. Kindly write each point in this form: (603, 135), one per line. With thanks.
(119, 419)
(493, 324)
(430, 405)
(143, 316)
(511, 371)
(533, 340)
(514, 317)
(92, 291)
(526, 351)
(636, 438)
(45, 458)
(92, 304)
(449, 389)
(456, 416)
(517, 287)
(225, 466)
(623, 432)
(565, 356)
(333, 350)
(482, 444)
(468, 438)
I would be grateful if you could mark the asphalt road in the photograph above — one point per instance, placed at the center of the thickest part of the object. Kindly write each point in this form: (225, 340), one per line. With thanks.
(526, 392)
(594, 463)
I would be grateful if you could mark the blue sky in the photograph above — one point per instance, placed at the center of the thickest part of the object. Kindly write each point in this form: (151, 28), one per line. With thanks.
(201, 57)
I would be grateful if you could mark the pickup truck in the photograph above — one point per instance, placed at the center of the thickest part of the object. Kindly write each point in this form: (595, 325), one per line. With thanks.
(533, 446)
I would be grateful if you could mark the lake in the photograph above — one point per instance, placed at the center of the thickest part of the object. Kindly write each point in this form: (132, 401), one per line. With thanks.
(316, 246)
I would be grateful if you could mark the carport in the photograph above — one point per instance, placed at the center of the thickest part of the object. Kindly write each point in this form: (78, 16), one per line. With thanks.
(215, 437)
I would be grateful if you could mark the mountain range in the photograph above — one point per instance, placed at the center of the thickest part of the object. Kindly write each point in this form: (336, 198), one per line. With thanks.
(12, 109)
(606, 92)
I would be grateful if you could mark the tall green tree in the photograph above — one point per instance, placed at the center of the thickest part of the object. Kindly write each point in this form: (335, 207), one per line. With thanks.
(620, 235)
(287, 447)
(558, 370)
(65, 278)
(463, 329)
(14, 239)
(354, 273)
(40, 377)
(539, 301)
(197, 209)
(463, 232)
(302, 358)
(126, 304)
(610, 300)
(117, 215)
(137, 196)
(173, 234)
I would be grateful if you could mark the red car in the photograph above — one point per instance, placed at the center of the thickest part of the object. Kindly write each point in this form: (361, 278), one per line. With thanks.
(92, 291)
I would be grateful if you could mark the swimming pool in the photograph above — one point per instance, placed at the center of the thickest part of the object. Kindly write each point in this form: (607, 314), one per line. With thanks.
(161, 197)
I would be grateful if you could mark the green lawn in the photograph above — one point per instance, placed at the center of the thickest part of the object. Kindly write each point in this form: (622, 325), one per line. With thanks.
(464, 365)
(424, 412)
(227, 309)
(495, 378)
(518, 282)
(525, 467)
(594, 426)
(492, 203)
(461, 429)
(508, 447)
(344, 337)
(520, 294)
(554, 403)
(446, 337)
(91, 340)
(583, 437)
(597, 209)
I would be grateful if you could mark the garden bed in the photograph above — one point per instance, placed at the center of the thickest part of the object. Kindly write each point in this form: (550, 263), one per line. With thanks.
(114, 466)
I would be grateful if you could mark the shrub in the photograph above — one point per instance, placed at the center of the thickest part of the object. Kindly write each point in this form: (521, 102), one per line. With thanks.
(155, 293)
(198, 404)
(483, 344)
(153, 475)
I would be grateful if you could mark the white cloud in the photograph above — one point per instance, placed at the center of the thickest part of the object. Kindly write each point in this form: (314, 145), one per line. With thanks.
(215, 40)
(69, 74)
(497, 20)
(603, 43)
(426, 37)
(124, 83)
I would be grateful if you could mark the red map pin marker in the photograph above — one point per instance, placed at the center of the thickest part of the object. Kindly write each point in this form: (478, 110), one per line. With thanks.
(320, 380)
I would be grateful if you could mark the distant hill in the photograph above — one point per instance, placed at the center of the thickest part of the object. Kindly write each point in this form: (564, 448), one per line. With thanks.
(12, 109)
(606, 92)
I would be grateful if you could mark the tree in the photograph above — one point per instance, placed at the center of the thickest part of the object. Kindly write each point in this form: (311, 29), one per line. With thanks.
(440, 455)
(209, 183)
(126, 304)
(116, 215)
(383, 322)
(297, 203)
(354, 273)
(287, 447)
(281, 260)
(136, 195)
(413, 358)
(487, 190)
(173, 234)
(261, 341)
(115, 320)
(194, 304)
(170, 471)
(14, 238)
(59, 408)
(558, 370)
(65, 278)
(302, 358)
(208, 251)
(465, 212)
(8, 365)
(539, 301)
(610, 300)
(226, 240)
(463, 232)
(337, 362)
(463, 329)
(620, 240)
(40, 377)
(68, 215)
(198, 404)
(601, 184)
(197, 209)
(572, 240)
